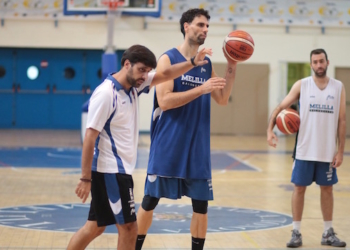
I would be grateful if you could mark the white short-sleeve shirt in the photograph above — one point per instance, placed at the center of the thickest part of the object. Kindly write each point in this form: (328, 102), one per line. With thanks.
(113, 112)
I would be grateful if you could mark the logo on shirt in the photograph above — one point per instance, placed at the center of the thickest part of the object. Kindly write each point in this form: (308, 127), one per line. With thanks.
(322, 108)
(203, 70)
(192, 80)
(330, 97)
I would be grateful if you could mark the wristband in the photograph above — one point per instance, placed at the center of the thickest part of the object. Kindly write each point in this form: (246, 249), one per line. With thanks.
(85, 180)
(192, 61)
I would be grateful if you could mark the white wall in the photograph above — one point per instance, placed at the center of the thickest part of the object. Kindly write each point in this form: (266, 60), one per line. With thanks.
(272, 44)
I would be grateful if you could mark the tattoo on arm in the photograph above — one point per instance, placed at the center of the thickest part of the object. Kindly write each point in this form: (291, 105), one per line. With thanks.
(229, 70)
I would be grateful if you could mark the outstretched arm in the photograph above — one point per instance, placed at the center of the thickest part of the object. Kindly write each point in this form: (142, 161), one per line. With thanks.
(338, 158)
(167, 99)
(292, 96)
(173, 71)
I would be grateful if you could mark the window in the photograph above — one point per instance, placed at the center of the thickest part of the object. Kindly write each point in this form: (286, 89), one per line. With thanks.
(2, 71)
(32, 72)
(69, 73)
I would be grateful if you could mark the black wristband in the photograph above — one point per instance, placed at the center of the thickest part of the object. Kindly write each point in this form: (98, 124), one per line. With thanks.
(192, 61)
(85, 180)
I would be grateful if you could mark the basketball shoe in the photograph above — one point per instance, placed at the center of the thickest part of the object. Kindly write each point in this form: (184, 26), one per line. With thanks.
(296, 240)
(329, 238)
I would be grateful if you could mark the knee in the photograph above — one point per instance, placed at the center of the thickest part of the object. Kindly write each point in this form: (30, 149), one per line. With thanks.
(131, 227)
(149, 203)
(99, 231)
(128, 229)
(200, 207)
(326, 189)
(93, 230)
(299, 190)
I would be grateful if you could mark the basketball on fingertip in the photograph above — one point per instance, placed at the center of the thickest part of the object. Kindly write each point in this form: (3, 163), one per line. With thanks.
(238, 46)
(288, 121)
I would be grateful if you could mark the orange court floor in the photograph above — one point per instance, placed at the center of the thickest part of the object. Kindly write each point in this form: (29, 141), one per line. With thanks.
(251, 209)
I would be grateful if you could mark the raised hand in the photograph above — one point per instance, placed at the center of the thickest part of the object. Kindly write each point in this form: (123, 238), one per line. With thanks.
(199, 59)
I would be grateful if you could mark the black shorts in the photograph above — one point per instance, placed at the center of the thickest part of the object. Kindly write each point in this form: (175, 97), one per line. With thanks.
(112, 199)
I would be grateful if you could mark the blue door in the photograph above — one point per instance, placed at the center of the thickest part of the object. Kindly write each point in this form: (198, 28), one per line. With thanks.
(33, 103)
(46, 88)
(68, 93)
(7, 92)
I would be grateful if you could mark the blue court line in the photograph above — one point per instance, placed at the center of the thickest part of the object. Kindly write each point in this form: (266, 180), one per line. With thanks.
(37, 157)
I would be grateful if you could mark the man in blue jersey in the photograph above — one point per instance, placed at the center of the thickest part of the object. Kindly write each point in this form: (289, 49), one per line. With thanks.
(110, 145)
(179, 161)
(316, 156)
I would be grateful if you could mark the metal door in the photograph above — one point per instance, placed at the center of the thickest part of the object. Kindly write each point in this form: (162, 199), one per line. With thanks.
(7, 94)
(32, 89)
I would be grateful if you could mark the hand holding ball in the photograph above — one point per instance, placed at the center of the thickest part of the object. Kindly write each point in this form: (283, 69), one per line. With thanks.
(238, 46)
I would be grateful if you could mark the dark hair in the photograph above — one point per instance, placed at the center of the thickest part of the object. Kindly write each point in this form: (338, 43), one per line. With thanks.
(138, 53)
(188, 16)
(317, 52)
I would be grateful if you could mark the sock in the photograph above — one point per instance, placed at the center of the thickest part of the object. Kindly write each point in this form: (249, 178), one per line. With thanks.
(197, 243)
(327, 225)
(139, 241)
(296, 225)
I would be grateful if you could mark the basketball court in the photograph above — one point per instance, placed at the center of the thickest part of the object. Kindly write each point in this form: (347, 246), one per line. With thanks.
(40, 169)
(251, 207)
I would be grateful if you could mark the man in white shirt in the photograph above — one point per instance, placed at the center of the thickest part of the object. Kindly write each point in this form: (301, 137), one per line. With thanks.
(322, 105)
(110, 145)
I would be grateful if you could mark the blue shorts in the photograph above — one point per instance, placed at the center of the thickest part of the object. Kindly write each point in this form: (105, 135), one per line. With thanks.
(306, 172)
(175, 188)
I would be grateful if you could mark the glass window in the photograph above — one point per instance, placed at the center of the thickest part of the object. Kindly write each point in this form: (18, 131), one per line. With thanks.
(32, 72)
(69, 73)
(2, 71)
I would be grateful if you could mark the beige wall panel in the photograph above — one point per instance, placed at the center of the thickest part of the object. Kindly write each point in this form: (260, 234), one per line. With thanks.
(247, 110)
(343, 75)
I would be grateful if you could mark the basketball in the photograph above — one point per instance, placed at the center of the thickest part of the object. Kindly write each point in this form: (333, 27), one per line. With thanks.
(288, 121)
(238, 46)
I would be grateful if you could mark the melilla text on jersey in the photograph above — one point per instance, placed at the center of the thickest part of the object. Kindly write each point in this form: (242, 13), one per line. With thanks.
(321, 108)
(192, 81)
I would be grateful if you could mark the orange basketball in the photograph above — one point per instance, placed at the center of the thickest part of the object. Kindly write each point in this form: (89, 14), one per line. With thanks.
(288, 121)
(238, 46)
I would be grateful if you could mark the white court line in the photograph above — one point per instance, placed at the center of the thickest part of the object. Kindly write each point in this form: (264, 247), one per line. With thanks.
(63, 156)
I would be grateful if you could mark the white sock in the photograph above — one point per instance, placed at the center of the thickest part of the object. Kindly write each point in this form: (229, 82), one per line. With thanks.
(327, 225)
(296, 225)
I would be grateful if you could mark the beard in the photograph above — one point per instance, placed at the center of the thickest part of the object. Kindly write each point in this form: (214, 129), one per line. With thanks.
(200, 41)
(132, 81)
(197, 40)
(320, 74)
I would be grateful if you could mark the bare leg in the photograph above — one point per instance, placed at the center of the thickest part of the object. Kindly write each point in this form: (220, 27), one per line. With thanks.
(127, 234)
(199, 225)
(327, 202)
(85, 235)
(298, 202)
(144, 220)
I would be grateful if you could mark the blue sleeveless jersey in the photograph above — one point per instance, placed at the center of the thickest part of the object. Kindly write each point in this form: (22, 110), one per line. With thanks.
(180, 137)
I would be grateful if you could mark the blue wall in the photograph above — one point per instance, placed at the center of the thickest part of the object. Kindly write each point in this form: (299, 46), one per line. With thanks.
(54, 99)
